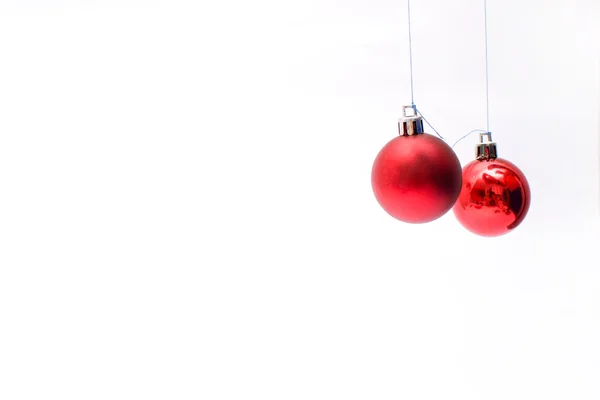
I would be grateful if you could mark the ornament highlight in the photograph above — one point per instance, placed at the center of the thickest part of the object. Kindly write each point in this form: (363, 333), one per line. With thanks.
(416, 177)
(495, 195)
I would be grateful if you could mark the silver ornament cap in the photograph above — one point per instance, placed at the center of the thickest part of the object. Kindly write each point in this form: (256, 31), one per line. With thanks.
(410, 123)
(486, 149)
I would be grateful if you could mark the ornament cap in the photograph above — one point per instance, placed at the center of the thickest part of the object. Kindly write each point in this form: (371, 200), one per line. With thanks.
(410, 123)
(486, 149)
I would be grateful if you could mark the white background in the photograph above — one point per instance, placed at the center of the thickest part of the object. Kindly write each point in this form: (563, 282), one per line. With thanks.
(186, 211)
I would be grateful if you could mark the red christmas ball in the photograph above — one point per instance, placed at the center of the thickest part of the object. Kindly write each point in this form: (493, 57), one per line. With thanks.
(494, 199)
(416, 178)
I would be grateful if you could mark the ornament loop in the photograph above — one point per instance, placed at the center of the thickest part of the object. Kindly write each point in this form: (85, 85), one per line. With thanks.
(486, 135)
(410, 123)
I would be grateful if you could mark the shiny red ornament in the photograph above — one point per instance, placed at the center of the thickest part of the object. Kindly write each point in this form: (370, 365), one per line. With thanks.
(416, 177)
(495, 195)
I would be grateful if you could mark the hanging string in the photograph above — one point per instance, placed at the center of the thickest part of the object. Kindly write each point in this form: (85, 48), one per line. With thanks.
(473, 131)
(427, 122)
(487, 76)
(412, 87)
(487, 80)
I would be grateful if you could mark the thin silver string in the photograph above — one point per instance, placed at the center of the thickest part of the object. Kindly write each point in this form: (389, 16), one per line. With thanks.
(487, 76)
(468, 134)
(487, 79)
(427, 122)
(412, 85)
(412, 90)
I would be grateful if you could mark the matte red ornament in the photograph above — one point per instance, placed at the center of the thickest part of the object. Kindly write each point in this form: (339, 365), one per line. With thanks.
(416, 177)
(495, 195)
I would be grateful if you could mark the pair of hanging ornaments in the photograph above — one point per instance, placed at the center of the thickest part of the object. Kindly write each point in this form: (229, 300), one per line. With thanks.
(417, 178)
